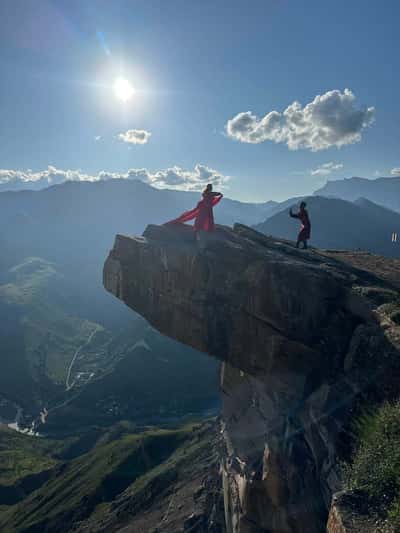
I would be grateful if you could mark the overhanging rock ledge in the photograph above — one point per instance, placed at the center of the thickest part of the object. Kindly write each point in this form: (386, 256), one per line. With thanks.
(303, 339)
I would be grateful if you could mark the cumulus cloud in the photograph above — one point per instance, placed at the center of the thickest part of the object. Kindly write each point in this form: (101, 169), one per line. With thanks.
(331, 119)
(21, 179)
(395, 172)
(170, 178)
(135, 136)
(178, 178)
(326, 169)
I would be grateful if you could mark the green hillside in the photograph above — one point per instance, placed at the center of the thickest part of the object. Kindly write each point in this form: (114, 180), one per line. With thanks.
(97, 486)
(38, 336)
(26, 463)
(50, 334)
(23, 455)
(82, 372)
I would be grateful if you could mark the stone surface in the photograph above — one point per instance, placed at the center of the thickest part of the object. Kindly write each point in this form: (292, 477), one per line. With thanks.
(304, 339)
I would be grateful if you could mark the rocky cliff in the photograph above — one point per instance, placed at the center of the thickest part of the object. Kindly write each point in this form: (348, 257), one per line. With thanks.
(304, 338)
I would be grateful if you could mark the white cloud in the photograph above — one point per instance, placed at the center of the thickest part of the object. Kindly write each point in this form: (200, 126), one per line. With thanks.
(326, 169)
(331, 119)
(395, 172)
(19, 179)
(171, 178)
(188, 180)
(135, 136)
(97, 138)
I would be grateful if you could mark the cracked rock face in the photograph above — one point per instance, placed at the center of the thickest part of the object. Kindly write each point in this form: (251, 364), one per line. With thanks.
(297, 334)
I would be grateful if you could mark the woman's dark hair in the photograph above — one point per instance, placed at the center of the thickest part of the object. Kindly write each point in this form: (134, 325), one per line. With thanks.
(208, 188)
(303, 204)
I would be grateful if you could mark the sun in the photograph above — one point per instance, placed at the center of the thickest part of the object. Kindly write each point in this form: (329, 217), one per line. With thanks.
(123, 89)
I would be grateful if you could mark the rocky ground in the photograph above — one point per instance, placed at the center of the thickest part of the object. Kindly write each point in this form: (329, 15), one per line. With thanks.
(384, 268)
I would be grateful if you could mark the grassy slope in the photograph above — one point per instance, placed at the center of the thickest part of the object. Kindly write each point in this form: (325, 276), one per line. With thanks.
(186, 485)
(85, 484)
(40, 331)
(375, 466)
(25, 464)
(50, 335)
(23, 455)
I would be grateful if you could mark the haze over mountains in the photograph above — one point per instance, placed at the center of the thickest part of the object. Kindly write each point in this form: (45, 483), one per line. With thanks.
(67, 331)
(383, 191)
(74, 225)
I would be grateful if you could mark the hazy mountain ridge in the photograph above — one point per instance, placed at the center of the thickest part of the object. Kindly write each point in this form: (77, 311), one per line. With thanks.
(341, 224)
(383, 191)
(74, 225)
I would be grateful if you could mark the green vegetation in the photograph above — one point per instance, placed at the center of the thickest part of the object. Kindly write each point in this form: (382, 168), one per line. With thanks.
(375, 468)
(172, 476)
(51, 485)
(23, 455)
(84, 486)
(51, 336)
(40, 332)
(130, 372)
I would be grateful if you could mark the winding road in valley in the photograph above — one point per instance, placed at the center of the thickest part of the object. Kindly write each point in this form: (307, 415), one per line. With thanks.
(69, 385)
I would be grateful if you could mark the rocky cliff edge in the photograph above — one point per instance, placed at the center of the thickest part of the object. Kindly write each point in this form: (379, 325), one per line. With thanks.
(306, 339)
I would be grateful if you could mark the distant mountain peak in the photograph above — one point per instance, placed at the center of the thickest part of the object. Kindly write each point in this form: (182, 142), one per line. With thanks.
(384, 191)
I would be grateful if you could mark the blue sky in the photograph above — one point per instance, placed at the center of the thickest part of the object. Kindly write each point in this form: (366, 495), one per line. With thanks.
(196, 65)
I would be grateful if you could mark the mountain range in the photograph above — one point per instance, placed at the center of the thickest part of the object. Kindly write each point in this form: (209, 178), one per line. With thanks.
(383, 191)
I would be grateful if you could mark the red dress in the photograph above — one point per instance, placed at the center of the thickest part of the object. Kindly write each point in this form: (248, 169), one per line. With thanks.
(202, 214)
(305, 230)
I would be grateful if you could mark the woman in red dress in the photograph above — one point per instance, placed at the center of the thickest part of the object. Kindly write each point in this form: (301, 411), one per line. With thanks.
(203, 213)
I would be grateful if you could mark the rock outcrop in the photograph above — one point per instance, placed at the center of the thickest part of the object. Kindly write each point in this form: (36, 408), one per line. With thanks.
(304, 339)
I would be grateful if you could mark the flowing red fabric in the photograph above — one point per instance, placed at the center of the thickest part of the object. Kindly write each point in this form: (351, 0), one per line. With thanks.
(202, 214)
